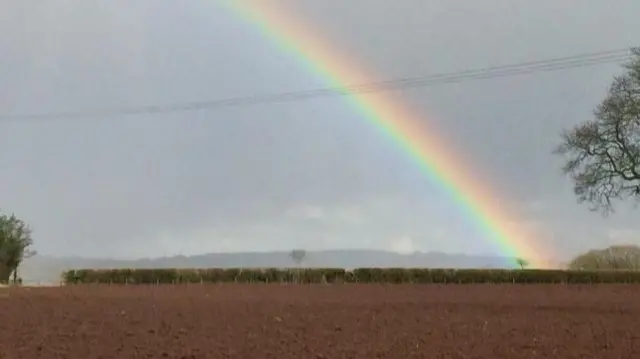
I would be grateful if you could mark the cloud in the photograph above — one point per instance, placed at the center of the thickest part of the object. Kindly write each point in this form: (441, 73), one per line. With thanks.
(621, 236)
(306, 212)
(345, 214)
(393, 223)
(402, 245)
(539, 205)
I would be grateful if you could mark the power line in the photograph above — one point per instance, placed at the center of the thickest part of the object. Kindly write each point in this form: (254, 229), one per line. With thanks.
(522, 68)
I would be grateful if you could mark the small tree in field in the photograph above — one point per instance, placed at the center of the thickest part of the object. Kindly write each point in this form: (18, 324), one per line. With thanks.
(522, 262)
(298, 256)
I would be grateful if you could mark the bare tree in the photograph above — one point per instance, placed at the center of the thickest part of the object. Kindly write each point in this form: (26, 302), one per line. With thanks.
(603, 155)
(614, 257)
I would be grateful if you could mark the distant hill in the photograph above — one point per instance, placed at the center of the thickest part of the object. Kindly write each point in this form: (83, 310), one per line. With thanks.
(47, 269)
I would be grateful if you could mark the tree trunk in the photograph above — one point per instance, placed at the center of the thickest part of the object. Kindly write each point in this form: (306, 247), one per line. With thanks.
(4, 273)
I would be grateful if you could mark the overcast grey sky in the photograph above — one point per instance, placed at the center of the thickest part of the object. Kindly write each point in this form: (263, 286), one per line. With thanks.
(307, 174)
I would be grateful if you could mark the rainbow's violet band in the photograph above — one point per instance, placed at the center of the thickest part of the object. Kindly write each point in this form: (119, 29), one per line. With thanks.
(434, 158)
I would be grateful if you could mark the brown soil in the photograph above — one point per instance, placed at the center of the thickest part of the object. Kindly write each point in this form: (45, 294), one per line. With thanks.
(340, 321)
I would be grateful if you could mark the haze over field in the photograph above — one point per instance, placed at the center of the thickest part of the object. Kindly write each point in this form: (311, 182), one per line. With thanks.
(307, 174)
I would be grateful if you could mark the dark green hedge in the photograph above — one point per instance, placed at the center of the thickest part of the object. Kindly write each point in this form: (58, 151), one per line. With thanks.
(338, 275)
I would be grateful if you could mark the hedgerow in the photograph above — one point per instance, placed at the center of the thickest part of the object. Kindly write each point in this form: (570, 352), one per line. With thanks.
(339, 275)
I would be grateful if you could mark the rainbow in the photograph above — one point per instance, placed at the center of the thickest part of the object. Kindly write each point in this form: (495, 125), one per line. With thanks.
(434, 157)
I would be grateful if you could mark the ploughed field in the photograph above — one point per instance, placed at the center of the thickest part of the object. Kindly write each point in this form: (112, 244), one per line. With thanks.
(322, 321)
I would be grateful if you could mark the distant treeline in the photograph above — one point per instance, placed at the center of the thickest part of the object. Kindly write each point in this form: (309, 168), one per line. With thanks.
(339, 275)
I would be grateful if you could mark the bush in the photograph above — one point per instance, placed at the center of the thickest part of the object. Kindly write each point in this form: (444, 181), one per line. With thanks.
(612, 258)
(339, 275)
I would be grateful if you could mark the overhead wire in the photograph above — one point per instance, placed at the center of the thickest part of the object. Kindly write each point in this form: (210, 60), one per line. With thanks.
(522, 68)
